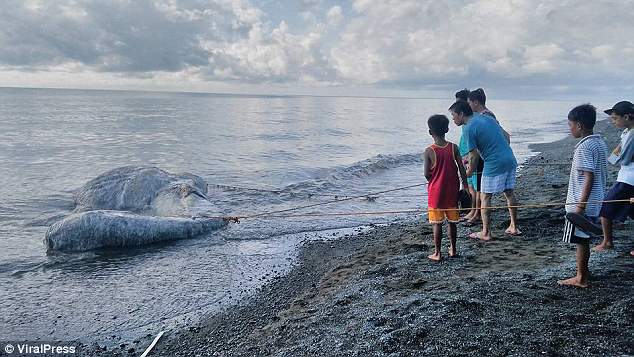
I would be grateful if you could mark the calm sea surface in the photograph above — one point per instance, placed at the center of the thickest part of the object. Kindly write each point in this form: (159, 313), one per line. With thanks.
(305, 149)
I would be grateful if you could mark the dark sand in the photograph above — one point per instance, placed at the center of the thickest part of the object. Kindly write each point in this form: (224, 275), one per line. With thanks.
(376, 294)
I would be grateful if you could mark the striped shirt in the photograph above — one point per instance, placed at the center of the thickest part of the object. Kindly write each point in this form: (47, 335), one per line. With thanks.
(590, 155)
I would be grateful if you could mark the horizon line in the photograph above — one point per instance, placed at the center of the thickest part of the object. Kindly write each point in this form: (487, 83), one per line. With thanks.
(227, 94)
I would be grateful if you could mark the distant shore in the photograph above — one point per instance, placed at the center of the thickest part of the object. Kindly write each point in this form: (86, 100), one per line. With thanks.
(376, 294)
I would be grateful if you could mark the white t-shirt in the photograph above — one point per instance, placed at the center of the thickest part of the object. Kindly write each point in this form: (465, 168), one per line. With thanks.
(626, 173)
(590, 155)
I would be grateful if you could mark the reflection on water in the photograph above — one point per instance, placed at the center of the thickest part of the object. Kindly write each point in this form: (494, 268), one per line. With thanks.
(304, 149)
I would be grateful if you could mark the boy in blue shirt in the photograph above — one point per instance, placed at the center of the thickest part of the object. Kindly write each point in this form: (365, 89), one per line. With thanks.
(486, 141)
(586, 186)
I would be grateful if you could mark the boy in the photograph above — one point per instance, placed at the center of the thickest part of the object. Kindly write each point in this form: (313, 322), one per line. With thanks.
(622, 116)
(462, 94)
(588, 176)
(442, 166)
(486, 142)
(477, 101)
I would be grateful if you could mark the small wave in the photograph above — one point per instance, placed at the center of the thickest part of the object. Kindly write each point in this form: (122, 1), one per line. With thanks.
(334, 178)
(327, 179)
(337, 132)
(37, 211)
(19, 267)
(375, 164)
(275, 137)
(46, 220)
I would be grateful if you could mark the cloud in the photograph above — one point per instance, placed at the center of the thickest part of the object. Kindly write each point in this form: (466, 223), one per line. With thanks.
(410, 41)
(275, 56)
(391, 43)
(118, 35)
(335, 15)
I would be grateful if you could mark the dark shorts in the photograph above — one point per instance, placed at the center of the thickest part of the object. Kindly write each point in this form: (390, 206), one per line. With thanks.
(618, 211)
(573, 234)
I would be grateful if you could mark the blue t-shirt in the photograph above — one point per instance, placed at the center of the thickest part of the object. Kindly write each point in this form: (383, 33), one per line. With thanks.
(485, 134)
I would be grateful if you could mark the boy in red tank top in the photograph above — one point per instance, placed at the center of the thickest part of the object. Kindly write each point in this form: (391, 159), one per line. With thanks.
(444, 172)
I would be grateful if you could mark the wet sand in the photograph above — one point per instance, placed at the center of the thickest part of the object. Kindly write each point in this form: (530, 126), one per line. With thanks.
(376, 294)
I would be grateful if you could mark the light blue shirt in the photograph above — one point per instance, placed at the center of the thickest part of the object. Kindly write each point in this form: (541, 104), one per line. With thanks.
(484, 134)
(463, 144)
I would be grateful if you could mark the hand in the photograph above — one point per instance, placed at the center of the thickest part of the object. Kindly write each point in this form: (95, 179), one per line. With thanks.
(580, 209)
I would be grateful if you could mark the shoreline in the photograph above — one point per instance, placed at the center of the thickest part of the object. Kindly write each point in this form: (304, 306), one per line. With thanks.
(375, 293)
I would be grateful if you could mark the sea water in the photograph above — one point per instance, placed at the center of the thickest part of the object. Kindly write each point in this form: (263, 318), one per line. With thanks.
(258, 153)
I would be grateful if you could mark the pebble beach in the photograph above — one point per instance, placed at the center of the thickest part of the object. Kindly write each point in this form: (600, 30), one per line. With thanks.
(375, 293)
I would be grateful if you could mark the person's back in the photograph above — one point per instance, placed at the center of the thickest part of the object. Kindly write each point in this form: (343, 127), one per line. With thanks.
(489, 139)
(442, 165)
(444, 184)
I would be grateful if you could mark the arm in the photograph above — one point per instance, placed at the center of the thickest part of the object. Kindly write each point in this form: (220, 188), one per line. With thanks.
(474, 158)
(427, 164)
(585, 193)
(461, 169)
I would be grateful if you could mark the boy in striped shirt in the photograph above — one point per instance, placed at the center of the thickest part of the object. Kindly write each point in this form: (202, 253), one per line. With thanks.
(588, 177)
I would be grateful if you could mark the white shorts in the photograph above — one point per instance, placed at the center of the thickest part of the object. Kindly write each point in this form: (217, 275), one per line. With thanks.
(499, 183)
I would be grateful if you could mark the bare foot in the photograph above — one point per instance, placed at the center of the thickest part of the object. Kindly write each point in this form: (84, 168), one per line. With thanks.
(513, 232)
(632, 253)
(479, 235)
(574, 281)
(471, 222)
(435, 257)
(603, 247)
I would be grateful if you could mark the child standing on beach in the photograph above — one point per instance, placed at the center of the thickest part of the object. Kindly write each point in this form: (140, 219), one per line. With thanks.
(622, 116)
(443, 164)
(588, 176)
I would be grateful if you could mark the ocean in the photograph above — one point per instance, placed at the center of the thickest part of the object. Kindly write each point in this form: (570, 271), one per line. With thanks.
(258, 153)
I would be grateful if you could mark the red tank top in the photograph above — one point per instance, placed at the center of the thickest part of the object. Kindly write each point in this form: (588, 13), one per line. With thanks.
(443, 187)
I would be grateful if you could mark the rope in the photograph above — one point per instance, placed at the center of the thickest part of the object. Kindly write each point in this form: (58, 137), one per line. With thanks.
(335, 201)
(368, 197)
(147, 351)
(274, 215)
(243, 188)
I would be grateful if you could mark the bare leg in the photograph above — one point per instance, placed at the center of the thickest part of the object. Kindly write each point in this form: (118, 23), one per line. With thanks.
(478, 202)
(485, 203)
(581, 279)
(511, 201)
(583, 258)
(437, 231)
(453, 233)
(472, 214)
(606, 224)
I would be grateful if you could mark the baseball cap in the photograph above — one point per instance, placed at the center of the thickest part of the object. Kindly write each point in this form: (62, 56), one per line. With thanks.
(621, 108)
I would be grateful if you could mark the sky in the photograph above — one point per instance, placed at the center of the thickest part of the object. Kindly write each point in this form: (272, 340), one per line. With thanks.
(413, 48)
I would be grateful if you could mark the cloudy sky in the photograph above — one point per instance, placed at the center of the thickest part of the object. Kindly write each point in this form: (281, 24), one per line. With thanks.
(325, 47)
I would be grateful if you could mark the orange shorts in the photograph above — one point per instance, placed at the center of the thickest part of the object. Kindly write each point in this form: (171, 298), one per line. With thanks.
(439, 215)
